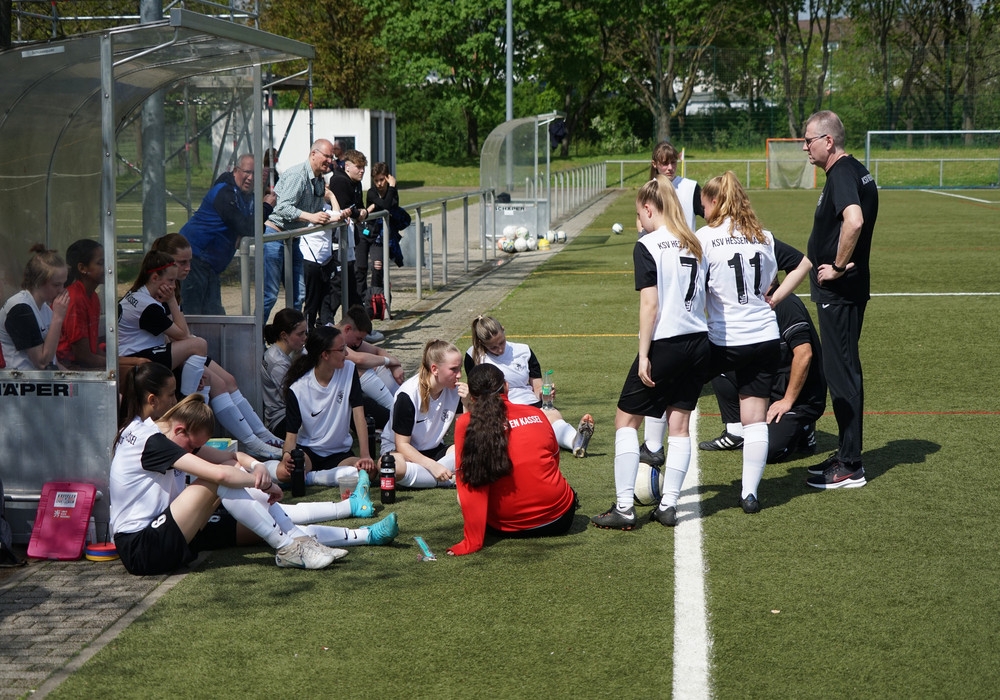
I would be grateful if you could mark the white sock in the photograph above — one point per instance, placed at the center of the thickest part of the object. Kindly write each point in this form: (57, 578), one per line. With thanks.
(754, 456)
(276, 511)
(565, 434)
(653, 432)
(374, 388)
(417, 477)
(230, 418)
(678, 459)
(191, 373)
(305, 513)
(253, 420)
(735, 429)
(252, 515)
(448, 461)
(337, 536)
(626, 466)
(385, 374)
(329, 477)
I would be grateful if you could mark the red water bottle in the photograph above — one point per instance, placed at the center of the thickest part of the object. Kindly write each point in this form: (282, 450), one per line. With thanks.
(387, 478)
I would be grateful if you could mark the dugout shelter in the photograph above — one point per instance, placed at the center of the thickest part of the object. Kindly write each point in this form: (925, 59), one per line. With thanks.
(510, 168)
(66, 102)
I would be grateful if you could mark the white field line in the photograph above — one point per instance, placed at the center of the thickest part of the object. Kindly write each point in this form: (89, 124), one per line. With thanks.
(959, 196)
(692, 642)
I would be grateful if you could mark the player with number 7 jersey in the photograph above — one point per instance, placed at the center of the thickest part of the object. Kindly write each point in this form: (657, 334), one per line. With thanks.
(671, 367)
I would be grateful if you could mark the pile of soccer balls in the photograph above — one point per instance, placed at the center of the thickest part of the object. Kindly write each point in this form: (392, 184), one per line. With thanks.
(517, 239)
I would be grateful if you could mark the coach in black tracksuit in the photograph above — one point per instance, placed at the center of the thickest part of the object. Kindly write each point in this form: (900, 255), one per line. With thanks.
(839, 248)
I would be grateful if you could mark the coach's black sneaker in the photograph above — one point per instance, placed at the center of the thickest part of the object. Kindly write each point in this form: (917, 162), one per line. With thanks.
(654, 459)
(726, 441)
(750, 504)
(615, 519)
(824, 465)
(664, 516)
(807, 440)
(840, 476)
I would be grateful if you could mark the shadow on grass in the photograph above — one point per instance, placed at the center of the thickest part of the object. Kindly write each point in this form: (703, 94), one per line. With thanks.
(779, 490)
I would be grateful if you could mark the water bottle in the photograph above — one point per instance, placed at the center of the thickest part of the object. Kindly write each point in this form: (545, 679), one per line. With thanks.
(371, 436)
(387, 478)
(547, 390)
(298, 473)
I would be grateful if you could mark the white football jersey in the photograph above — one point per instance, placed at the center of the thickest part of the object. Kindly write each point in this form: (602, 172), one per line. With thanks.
(518, 364)
(738, 273)
(321, 415)
(425, 428)
(661, 260)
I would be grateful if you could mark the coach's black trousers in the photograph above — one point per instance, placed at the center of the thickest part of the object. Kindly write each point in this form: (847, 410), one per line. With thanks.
(840, 331)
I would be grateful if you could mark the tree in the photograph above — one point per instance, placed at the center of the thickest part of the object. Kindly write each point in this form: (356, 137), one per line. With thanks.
(803, 82)
(344, 36)
(660, 50)
(460, 44)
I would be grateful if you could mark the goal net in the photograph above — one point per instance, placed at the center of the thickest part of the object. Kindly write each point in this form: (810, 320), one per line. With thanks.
(788, 166)
(934, 159)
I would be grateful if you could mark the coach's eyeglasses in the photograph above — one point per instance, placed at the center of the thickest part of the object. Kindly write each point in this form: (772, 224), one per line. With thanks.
(809, 139)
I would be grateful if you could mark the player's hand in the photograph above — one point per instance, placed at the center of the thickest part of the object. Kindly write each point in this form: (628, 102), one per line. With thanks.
(777, 410)
(271, 198)
(261, 479)
(60, 305)
(463, 390)
(367, 464)
(274, 494)
(644, 372)
(397, 373)
(284, 470)
(391, 180)
(439, 472)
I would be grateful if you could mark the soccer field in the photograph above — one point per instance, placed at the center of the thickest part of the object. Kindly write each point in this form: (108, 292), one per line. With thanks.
(886, 591)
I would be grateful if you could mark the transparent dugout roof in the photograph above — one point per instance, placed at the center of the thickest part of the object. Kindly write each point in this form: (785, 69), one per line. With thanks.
(51, 126)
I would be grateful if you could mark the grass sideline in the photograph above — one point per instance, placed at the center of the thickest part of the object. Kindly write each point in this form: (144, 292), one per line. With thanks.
(885, 591)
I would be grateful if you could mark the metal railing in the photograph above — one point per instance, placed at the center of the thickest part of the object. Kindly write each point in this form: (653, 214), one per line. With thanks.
(745, 164)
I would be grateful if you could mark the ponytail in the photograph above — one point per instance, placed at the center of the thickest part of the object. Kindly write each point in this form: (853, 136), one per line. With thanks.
(484, 453)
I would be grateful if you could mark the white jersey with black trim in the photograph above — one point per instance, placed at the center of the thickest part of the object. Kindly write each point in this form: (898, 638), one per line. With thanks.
(23, 328)
(518, 364)
(739, 273)
(685, 193)
(425, 428)
(143, 479)
(321, 415)
(662, 261)
(142, 322)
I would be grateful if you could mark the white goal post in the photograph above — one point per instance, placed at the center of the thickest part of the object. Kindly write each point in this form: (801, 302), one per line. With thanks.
(788, 166)
(934, 159)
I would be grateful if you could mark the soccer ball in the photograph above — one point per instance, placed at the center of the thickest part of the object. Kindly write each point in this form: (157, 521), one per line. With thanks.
(500, 243)
(520, 245)
(618, 228)
(509, 231)
(543, 244)
(561, 236)
(550, 236)
(648, 485)
(532, 243)
(508, 246)
(521, 232)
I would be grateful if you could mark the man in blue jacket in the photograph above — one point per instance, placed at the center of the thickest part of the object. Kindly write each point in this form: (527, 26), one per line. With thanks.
(214, 231)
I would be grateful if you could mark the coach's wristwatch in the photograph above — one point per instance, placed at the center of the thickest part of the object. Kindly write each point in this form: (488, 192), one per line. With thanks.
(837, 269)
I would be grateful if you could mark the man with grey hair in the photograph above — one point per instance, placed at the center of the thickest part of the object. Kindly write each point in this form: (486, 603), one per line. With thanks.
(839, 248)
(214, 231)
(302, 195)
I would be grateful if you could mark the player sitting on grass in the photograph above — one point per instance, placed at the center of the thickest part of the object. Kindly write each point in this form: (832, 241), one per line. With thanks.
(507, 467)
(523, 373)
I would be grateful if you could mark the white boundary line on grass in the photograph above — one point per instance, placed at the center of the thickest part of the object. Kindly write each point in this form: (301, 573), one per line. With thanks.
(959, 196)
(692, 642)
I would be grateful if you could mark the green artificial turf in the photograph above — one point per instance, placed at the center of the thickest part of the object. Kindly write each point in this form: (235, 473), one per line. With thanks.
(886, 591)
